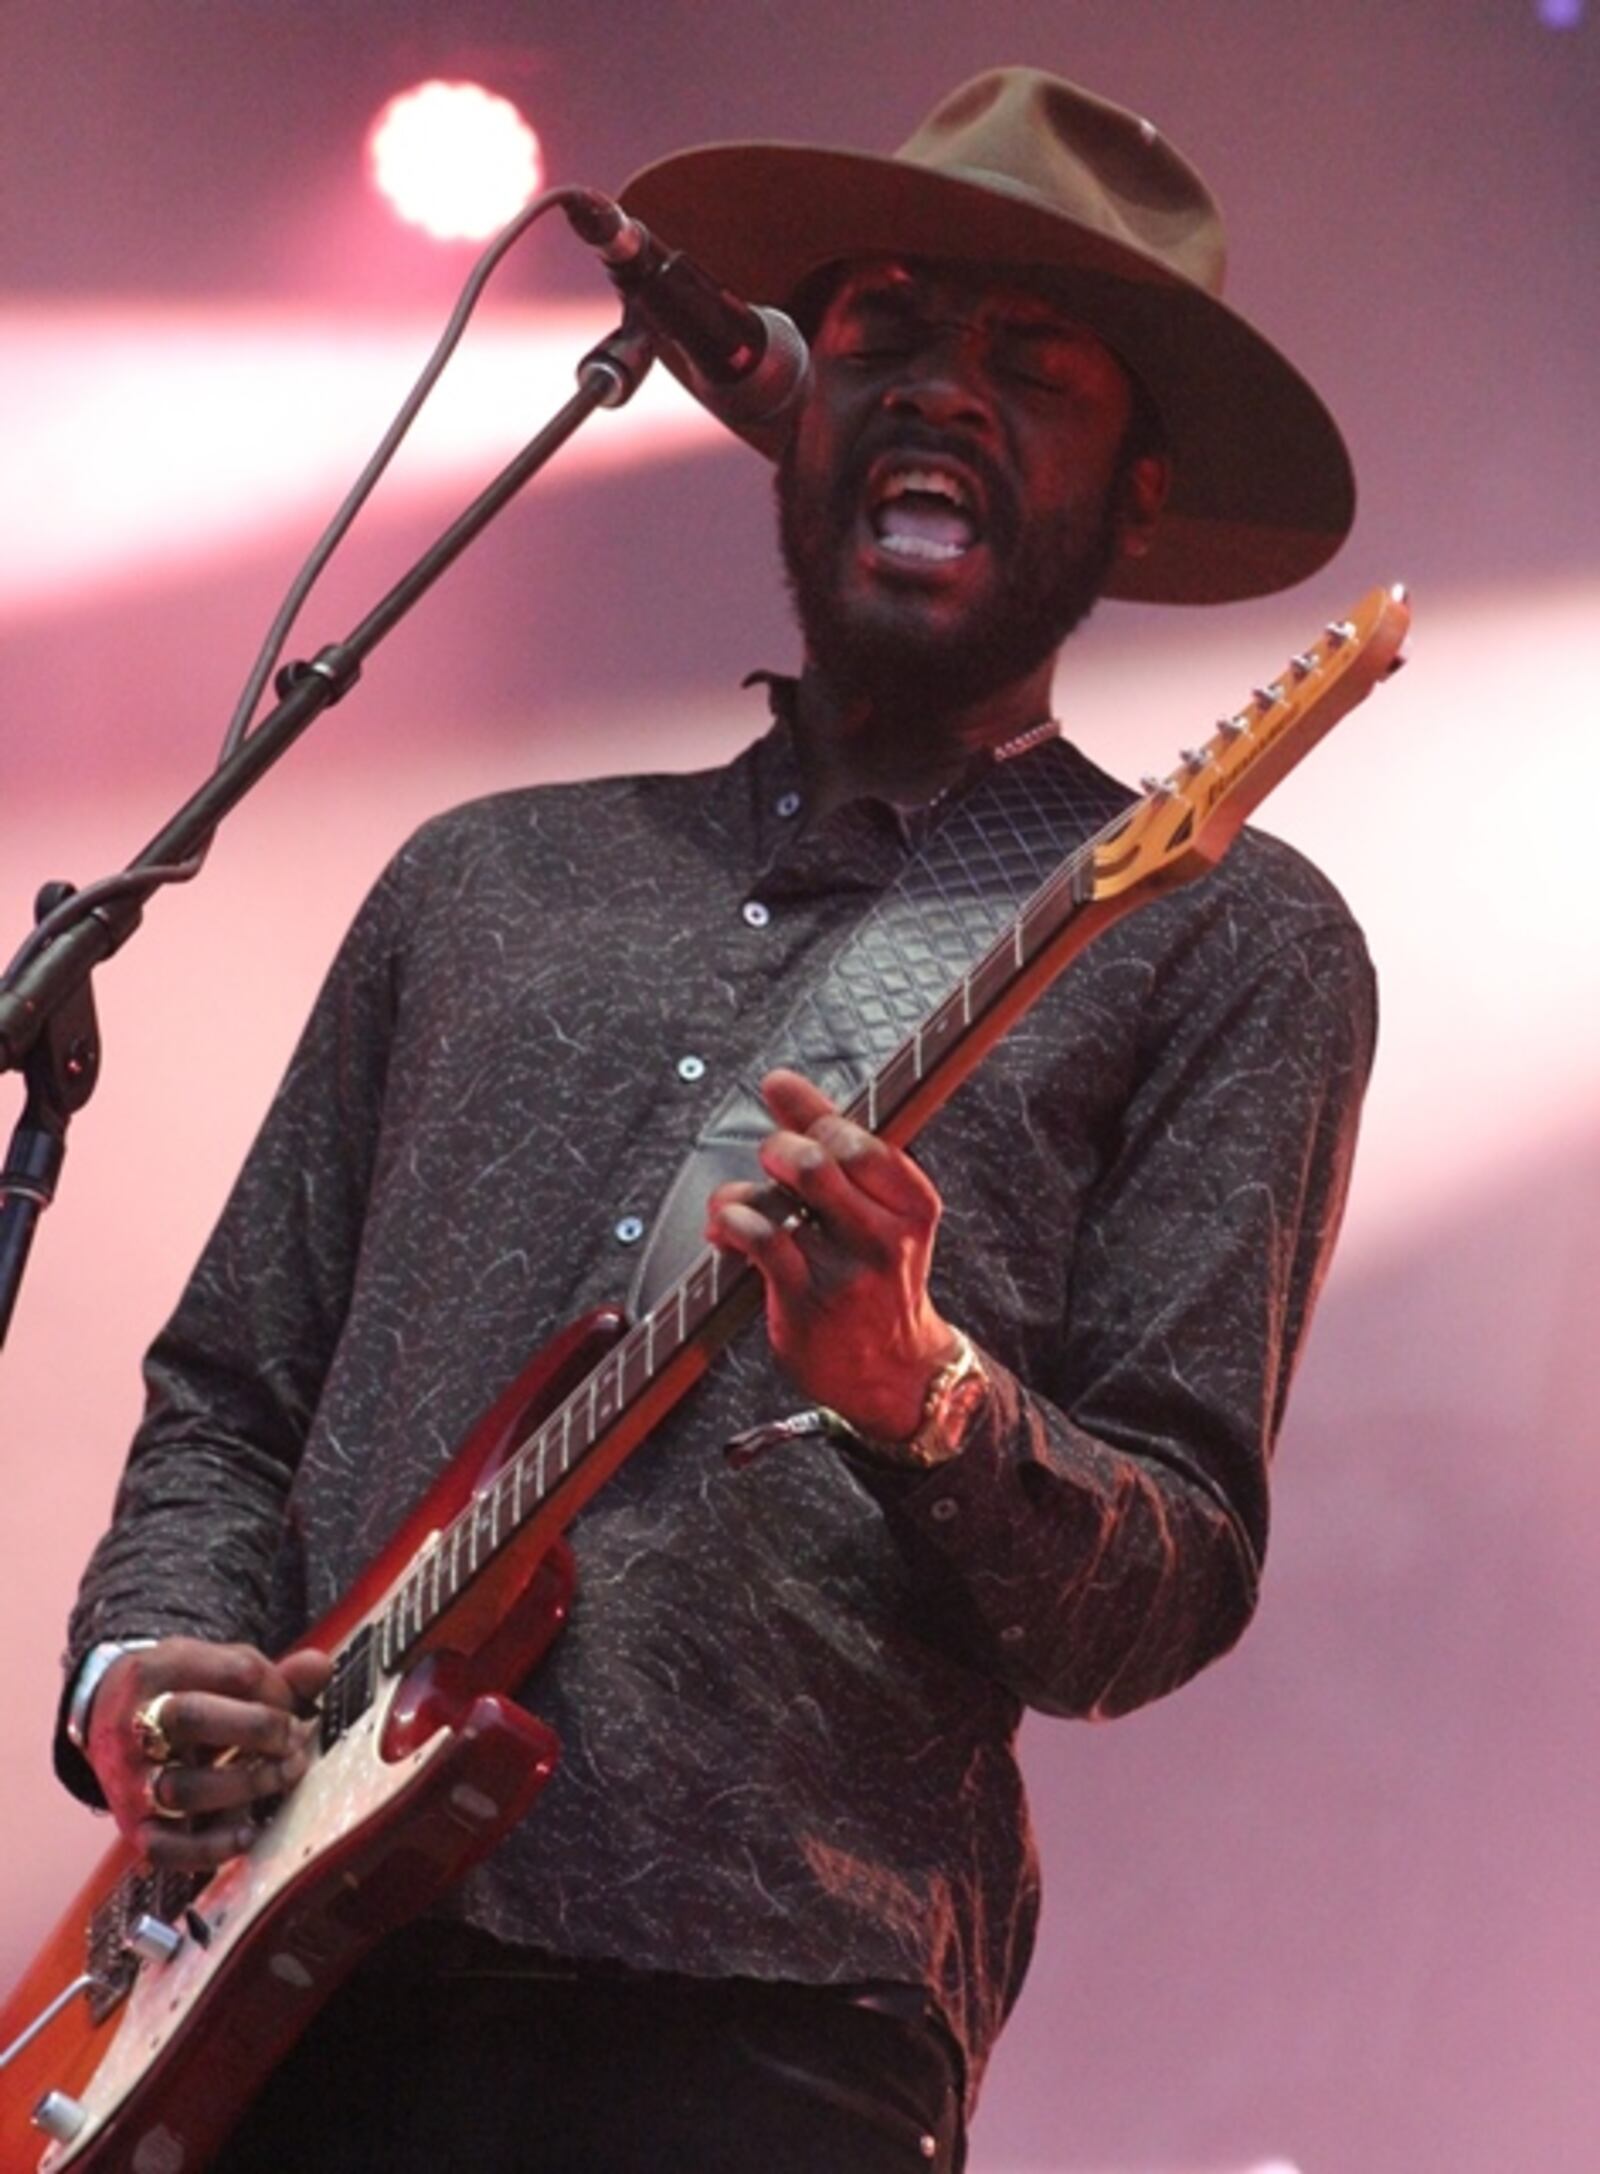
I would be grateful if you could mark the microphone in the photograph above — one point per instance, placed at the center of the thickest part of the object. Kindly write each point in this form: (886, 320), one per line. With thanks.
(747, 365)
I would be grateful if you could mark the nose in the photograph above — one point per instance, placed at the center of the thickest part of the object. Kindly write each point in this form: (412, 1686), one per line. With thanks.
(943, 385)
(940, 396)
(942, 399)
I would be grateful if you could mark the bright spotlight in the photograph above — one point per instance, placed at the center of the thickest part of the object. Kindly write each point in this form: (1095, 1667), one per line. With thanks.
(454, 159)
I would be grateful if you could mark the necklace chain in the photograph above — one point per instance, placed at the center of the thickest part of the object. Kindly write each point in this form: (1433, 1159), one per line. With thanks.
(1048, 728)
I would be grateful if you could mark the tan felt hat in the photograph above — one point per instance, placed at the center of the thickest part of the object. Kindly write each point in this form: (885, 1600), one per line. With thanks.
(1021, 172)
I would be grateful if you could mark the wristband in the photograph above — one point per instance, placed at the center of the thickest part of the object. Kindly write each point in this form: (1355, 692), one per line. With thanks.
(91, 1669)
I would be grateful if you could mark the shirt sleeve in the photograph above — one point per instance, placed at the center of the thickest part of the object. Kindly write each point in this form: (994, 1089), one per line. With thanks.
(1095, 1547)
(196, 1543)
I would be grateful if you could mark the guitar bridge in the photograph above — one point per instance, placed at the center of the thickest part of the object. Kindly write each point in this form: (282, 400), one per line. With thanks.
(113, 1960)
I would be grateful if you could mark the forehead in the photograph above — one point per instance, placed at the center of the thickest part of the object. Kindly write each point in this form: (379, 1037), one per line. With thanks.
(976, 293)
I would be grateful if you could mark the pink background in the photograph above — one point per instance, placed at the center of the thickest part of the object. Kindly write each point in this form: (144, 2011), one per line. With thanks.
(1335, 1907)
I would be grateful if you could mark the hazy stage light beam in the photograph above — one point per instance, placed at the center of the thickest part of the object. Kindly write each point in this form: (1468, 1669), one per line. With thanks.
(136, 441)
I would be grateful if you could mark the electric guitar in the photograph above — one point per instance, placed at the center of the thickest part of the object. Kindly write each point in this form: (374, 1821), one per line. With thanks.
(162, 2001)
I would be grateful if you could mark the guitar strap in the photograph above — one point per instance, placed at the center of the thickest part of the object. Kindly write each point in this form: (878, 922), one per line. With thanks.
(988, 851)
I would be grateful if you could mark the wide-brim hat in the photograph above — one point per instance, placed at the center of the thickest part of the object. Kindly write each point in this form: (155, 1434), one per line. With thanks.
(1020, 172)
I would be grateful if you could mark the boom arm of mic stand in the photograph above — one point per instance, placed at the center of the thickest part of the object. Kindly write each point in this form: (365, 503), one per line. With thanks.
(58, 977)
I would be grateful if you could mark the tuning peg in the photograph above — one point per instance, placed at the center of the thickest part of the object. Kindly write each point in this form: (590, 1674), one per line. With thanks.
(1303, 665)
(1233, 728)
(1156, 788)
(1339, 631)
(1195, 759)
(1268, 697)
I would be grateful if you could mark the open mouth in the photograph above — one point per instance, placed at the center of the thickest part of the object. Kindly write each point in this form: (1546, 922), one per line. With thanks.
(921, 509)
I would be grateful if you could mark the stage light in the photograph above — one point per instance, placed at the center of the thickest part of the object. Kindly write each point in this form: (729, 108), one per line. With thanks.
(1560, 14)
(454, 159)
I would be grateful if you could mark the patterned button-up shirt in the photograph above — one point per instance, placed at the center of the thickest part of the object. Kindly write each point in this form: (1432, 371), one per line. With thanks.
(787, 1695)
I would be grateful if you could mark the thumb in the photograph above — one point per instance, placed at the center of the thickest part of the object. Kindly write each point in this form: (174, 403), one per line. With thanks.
(306, 1672)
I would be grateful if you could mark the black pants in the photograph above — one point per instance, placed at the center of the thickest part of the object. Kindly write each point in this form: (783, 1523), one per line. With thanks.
(488, 2074)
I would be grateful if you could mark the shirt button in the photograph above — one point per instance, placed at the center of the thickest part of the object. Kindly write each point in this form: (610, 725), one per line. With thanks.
(691, 1068)
(755, 913)
(630, 1230)
(786, 804)
(1012, 1635)
(944, 1509)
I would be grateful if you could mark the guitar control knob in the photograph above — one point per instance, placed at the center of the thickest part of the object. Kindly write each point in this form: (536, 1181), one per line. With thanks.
(60, 2117)
(153, 1939)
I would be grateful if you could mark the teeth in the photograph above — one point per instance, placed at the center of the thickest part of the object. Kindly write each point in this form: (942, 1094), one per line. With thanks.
(927, 483)
(920, 547)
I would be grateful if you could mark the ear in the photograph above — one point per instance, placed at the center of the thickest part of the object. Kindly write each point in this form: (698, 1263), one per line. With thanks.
(1144, 493)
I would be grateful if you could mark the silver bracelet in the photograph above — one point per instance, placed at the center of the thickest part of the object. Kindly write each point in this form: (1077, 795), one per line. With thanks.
(91, 1669)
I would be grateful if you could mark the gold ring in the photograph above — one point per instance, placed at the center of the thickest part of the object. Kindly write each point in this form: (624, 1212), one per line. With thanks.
(152, 1796)
(149, 1733)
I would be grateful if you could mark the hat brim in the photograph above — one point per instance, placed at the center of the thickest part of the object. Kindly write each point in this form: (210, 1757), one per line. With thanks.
(1262, 492)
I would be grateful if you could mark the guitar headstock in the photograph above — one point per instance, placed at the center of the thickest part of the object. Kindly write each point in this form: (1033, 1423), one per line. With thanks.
(1186, 822)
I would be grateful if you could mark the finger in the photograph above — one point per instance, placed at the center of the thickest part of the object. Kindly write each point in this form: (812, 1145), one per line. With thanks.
(194, 1664)
(307, 1675)
(746, 1192)
(150, 1816)
(767, 1246)
(171, 1847)
(197, 1792)
(244, 1674)
(852, 1185)
(793, 1100)
(199, 1724)
(805, 1170)
(775, 1205)
(884, 1173)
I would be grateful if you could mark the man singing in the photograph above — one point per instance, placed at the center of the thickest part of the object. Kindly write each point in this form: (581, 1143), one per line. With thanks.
(779, 1896)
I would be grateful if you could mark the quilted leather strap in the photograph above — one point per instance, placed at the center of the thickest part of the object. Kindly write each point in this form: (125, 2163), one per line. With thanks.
(989, 853)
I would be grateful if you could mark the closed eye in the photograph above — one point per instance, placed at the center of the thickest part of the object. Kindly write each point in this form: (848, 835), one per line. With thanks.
(883, 347)
(1036, 378)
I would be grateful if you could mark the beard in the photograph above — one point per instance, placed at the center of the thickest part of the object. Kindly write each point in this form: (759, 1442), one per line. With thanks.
(1051, 568)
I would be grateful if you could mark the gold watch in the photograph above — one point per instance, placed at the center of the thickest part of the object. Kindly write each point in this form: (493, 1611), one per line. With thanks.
(952, 1399)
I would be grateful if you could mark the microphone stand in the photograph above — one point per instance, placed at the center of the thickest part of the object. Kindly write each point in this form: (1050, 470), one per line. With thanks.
(47, 1019)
